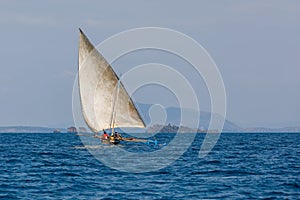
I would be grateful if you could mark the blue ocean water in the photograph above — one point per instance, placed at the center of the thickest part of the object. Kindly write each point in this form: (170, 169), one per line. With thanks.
(241, 166)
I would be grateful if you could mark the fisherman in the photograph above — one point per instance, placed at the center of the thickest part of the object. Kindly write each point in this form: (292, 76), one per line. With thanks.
(105, 135)
(118, 136)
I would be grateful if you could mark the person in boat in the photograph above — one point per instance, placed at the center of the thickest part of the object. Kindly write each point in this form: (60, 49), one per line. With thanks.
(105, 135)
(117, 135)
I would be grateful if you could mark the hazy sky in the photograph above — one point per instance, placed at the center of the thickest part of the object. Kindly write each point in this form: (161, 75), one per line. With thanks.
(255, 44)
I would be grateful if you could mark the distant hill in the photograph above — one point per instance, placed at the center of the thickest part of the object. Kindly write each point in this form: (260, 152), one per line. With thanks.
(173, 129)
(170, 128)
(174, 116)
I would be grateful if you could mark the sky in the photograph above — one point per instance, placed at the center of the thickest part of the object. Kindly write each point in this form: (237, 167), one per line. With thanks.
(255, 45)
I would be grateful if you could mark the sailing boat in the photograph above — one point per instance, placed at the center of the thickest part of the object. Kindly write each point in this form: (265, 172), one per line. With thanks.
(105, 102)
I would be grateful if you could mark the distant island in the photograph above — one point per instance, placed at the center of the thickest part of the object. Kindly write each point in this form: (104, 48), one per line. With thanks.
(173, 129)
(172, 124)
(153, 129)
(38, 129)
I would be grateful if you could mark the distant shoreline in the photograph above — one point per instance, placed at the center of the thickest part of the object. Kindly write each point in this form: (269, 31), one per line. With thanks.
(225, 132)
(153, 129)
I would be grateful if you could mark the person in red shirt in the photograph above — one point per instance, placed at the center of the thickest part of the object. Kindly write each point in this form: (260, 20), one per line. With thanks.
(105, 135)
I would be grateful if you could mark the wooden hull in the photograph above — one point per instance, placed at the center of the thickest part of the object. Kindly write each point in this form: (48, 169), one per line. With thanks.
(110, 141)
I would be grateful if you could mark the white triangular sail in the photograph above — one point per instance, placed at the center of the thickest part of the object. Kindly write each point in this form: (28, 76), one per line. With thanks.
(97, 86)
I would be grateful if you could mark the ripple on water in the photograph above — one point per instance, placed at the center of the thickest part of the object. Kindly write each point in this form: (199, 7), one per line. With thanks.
(48, 166)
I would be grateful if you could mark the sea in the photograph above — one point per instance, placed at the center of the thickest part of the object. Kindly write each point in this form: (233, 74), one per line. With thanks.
(240, 166)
